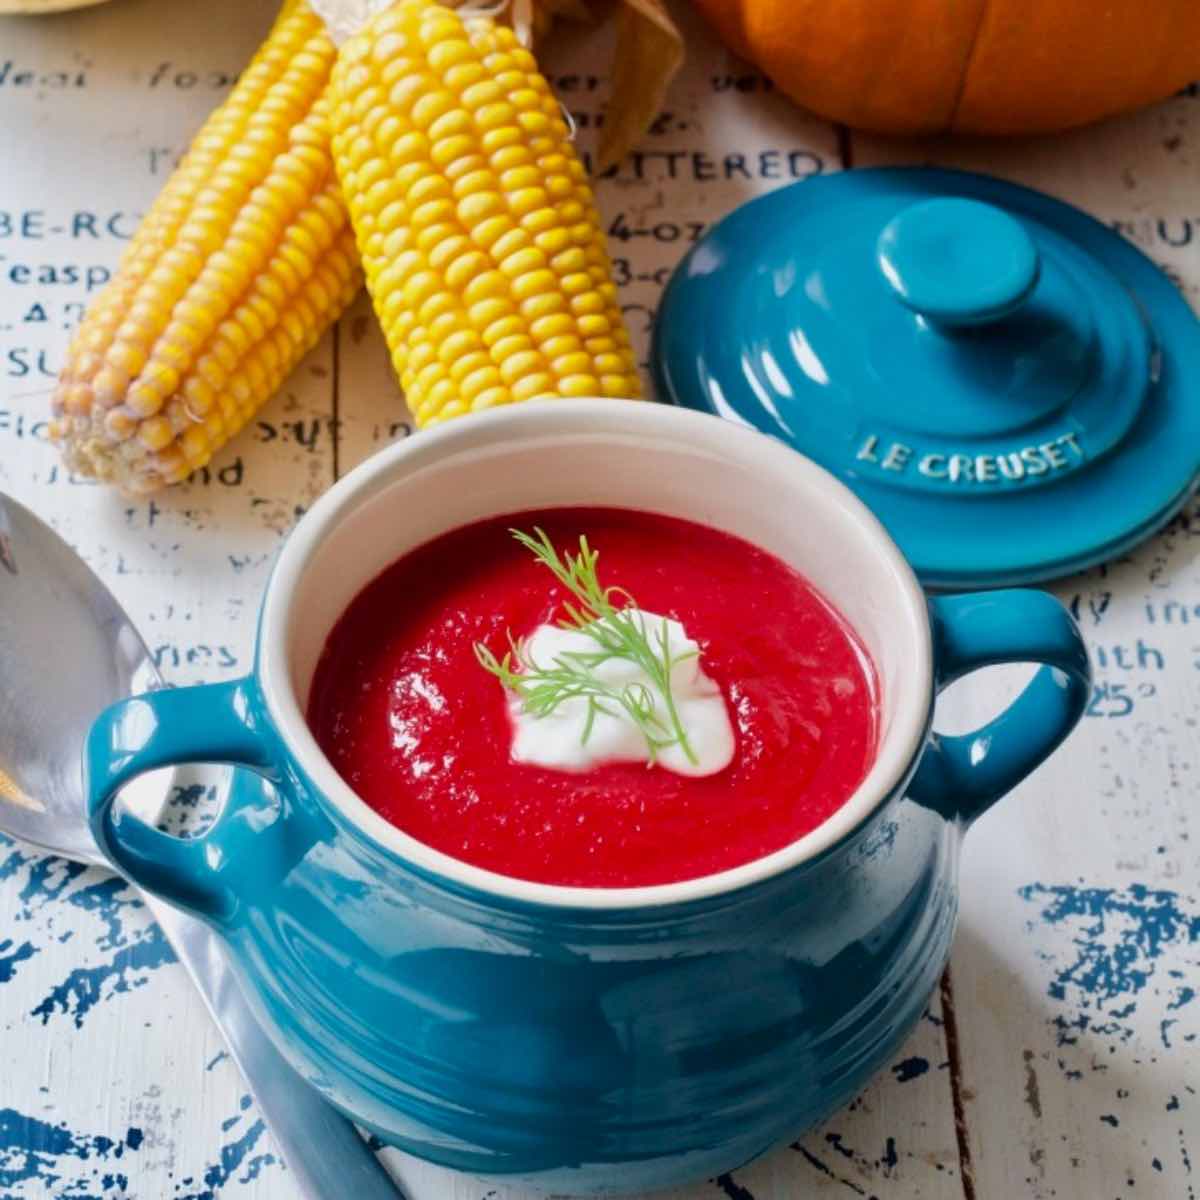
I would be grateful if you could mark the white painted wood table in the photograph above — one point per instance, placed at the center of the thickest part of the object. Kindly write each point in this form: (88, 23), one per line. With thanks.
(1062, 1055)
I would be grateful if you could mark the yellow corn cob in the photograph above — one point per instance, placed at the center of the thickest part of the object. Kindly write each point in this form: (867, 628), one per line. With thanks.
(241, 263)
(476, 224)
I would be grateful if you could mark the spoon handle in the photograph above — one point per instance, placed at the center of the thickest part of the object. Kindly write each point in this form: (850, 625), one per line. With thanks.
(324, 1154)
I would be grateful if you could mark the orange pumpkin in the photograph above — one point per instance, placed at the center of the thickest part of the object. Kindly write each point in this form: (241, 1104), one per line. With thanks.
(974, 66)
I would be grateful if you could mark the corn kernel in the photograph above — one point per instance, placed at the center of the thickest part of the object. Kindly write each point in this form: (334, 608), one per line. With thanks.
(552, 325)
(520, 365)
(527, 387)
(579, 385)
(505, 328)
(566, 342)
(491, 398)
(533, 284)
(513, 240)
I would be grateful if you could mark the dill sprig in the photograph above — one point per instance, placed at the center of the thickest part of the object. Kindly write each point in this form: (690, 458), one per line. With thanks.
(605, 615)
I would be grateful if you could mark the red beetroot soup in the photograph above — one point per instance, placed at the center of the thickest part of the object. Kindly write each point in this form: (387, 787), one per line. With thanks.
(422, 732)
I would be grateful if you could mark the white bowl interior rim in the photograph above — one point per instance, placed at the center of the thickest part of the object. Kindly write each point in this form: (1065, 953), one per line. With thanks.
(654, 458)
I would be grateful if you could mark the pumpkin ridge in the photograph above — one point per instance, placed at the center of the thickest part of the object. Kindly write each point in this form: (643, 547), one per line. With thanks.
(979, 67)
(968, 62)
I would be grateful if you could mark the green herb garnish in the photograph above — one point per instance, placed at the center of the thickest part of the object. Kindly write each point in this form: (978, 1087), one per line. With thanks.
(617, 634)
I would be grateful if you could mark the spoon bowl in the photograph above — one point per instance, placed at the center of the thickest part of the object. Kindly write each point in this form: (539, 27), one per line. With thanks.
(68, 651)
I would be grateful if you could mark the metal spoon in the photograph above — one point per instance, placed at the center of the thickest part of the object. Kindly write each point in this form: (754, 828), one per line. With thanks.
(67, 651)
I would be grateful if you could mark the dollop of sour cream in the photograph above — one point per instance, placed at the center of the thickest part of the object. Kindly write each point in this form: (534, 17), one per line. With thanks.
(557, 740)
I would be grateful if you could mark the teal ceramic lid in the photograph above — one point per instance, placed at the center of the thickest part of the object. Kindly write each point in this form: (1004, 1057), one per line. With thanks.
(1012, 387)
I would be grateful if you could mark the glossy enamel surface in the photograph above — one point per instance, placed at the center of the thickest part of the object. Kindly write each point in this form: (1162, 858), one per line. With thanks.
(588, 1039)
(958, 262)
(1007, 383)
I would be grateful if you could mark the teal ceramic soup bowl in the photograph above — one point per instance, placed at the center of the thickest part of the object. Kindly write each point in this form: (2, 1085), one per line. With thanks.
(587, 1039)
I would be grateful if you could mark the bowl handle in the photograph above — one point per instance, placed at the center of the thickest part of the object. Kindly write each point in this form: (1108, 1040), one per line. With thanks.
(253, 839)
(962, 777)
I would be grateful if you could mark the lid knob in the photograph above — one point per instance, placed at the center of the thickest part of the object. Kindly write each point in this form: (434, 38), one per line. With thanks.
(958, 262)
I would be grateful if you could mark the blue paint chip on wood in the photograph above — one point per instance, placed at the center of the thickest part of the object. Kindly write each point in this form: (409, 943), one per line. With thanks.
(1117, 939)
(233, 1155)
(910, 1068)
(35, 1151)
(9, 958)
(85, 987)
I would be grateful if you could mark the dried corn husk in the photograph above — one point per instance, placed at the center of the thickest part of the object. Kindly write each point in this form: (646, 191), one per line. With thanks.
(649, 52)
